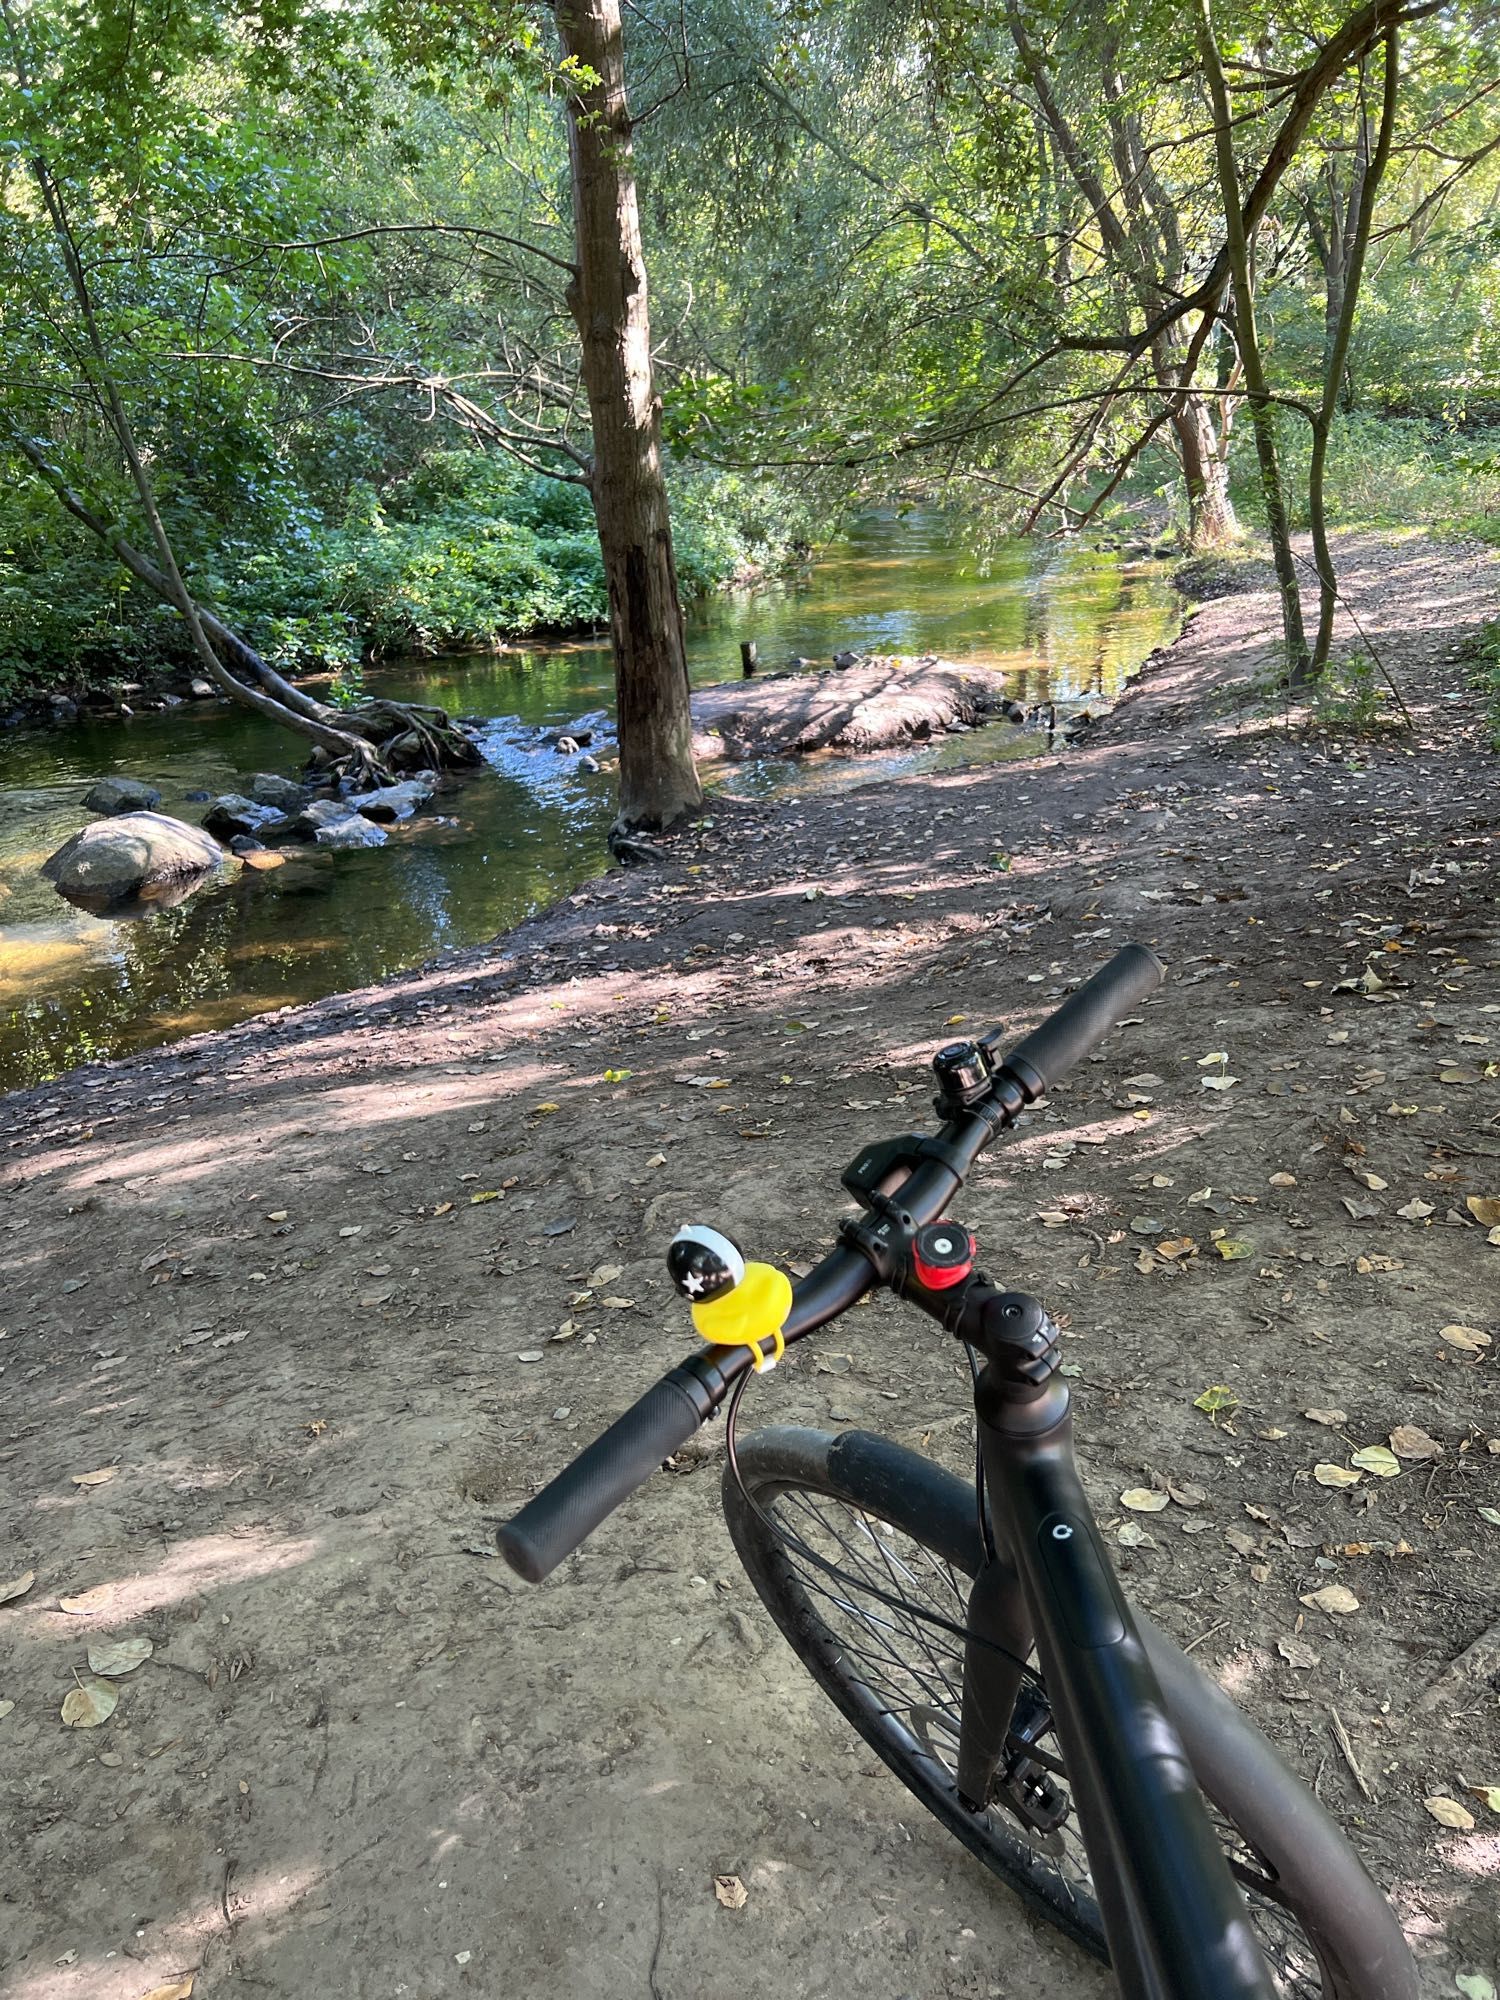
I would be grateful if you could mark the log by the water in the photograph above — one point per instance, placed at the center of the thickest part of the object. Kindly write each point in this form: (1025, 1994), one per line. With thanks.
(869, 707)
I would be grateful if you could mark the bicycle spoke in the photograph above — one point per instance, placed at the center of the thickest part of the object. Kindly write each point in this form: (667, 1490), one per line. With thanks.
(888, 1605)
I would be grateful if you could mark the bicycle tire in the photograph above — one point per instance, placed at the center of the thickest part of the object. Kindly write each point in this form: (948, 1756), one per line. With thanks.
(1292, 1860)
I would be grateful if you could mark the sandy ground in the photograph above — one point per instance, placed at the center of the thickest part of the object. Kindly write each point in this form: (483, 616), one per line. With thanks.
(318, 1300)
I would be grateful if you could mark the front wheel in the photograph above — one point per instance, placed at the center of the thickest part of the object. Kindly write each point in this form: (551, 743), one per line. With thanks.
(862, 1552)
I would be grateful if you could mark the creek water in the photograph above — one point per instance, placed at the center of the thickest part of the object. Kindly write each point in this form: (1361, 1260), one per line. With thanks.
(74, 987)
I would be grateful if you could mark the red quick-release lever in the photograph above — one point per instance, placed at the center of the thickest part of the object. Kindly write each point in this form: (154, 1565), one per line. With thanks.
(942, 1254)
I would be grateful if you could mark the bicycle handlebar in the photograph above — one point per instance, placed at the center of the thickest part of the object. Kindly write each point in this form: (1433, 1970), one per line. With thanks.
(568, 1509)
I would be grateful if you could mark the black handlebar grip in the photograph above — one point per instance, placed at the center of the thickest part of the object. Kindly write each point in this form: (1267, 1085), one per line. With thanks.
(564, 1513)
(1084, 1019)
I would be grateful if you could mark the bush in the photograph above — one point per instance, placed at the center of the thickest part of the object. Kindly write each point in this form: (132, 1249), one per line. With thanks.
(465, 551)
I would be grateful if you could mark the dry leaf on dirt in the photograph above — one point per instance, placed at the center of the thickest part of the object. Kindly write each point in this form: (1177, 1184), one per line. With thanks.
(99, 1478)
(1377, 1458)
(5, 1709)
(1297, 1652)
(1186, 1494)
(18, 1587)
(1216, 1398)
(1131, 1535)
(1484, 1208)
(730, 1892)
(1232, 1247)
(1467, 1339)
(118, 1656)
(1489, 1793)
(174, 1989)
(1141, 1500)
(1336, 1475)
(1332, 1418)
(87, 1602)
(1448, 1812)
(89, 1704)
(1415, 1211)
(1411, 1441)
(1475, 1985)
(1336, 1598)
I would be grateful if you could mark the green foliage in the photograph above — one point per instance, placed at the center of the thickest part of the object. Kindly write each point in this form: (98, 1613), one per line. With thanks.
(468, 550)
(1484, 675)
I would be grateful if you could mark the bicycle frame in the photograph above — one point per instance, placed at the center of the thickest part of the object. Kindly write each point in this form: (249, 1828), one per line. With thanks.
(1177, 1926)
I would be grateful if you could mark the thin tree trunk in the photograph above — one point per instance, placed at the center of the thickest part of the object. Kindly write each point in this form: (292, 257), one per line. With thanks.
(1211, 519)
(658, 781)
(1262, 417)
(1366, 187)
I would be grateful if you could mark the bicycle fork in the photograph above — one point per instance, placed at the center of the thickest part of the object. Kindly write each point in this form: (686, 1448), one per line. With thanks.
(1177, 1925)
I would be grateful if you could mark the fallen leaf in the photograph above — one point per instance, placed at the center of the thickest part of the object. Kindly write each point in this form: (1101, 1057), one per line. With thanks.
(484, 1194)
(118, 1656)
(1448, 1812)
(442, 1208)
(618, 1305)
(1142, 1500)
(1460, 1076)
(1335, 1598)
(1297, 1652)
(5, 1709)
(1144, 1225)
(1213, 1056)
(1240, 1542)
(1131, 1535)
(1335, 1475)
(18, 1587)
(174, 1989)
(99, 1478)
(1484, 1208)
(1411, 1441)
(566, 1331)
(87, 1602)
(1415, 1211)
(1216, 1398)
(1176, 1247)
(1186, 1494)
(729, 1891)
(352, 1229)
(1369, 1180)
(1332, 1418)
(89, 1704)
(1474, 1985)
(1376, 1458)
(616, 1075)
(545, 1110)
(1282, 1180)
(1468, 1339)
(1489, 1793)
(658, 1159)
(1231, 1248)
(1217, 1082)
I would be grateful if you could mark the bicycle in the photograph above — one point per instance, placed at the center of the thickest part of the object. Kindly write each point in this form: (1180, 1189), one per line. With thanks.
(975, 1633)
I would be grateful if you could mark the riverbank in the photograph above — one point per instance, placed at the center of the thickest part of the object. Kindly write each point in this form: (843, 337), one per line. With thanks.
(326, 1294)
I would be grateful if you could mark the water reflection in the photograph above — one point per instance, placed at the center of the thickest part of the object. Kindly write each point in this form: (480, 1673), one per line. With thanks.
(74, 987)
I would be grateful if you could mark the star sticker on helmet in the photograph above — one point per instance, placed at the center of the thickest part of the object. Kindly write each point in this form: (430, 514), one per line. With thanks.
(692, 1283)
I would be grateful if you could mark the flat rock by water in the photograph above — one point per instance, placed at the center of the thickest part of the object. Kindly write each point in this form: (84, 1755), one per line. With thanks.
(869, 707)
(120, 795)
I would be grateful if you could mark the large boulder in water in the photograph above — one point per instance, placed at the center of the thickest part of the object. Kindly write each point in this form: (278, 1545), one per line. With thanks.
(120, 795)
(268, 788)
(139, 855)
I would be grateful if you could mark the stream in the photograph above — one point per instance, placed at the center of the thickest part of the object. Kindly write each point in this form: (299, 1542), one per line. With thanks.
(1061, 622)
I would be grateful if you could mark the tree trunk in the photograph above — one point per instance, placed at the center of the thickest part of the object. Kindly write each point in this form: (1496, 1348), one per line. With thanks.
(1369, 172)
(1262, 415)
(1211, 518)
(658, 781)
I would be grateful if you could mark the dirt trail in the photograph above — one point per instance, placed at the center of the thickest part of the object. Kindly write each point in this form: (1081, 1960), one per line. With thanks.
(327, 1295)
